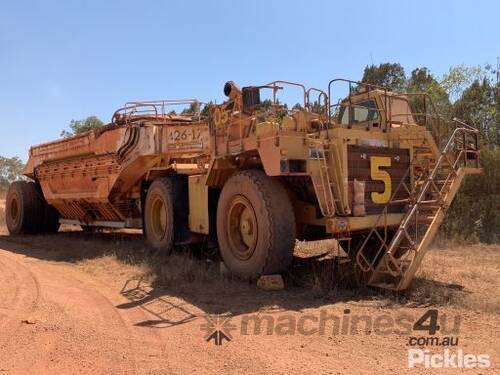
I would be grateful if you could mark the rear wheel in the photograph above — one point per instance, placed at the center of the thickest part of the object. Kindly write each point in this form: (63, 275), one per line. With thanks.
(255, 225)
(24, 208)
(159, 215)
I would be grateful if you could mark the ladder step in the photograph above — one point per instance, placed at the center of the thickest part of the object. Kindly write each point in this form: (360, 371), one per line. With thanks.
(399, 201)
(382, 268)
(427, 211)
(430, 203)
(425, 220)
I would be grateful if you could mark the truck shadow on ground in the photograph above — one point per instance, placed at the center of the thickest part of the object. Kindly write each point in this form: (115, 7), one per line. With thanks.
(188, 284)
(174, 305)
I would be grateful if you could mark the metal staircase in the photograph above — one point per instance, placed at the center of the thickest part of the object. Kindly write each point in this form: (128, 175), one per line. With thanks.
(391, 258)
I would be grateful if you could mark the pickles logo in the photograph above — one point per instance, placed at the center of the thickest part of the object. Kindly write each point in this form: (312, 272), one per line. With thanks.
(447, 359)
(217, 328)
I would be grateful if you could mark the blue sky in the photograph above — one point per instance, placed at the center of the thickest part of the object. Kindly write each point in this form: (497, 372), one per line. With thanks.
(63, 60)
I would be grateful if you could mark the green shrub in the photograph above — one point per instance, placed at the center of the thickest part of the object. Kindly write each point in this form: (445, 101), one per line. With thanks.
(475, 212)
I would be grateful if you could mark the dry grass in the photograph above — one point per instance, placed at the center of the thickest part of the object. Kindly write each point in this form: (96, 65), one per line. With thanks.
(462, 276)
(465, 276)
(184, 269)
(112, 265)
(125, 255)
(122, 260)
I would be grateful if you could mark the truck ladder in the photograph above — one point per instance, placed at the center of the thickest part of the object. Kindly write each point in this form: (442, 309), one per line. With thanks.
(394, 263)
(326, 188)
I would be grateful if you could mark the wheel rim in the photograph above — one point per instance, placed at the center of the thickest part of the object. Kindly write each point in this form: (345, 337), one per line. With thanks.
(14, 209)
(242, 228)
(158, 217)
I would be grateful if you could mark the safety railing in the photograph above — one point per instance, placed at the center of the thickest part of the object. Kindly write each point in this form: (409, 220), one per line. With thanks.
(318, 105)
(272, 110)
(158, 109)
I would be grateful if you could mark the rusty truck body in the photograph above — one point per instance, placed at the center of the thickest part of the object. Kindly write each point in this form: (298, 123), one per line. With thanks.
(376, 171)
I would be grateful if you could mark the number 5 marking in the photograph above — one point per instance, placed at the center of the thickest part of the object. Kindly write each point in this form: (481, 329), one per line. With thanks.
(220, 117)
(376, 162)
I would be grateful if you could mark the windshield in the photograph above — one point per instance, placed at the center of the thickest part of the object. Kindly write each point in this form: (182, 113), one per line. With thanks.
(361, 112)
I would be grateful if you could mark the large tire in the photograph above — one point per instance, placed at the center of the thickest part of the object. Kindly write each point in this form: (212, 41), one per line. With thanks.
(255, 225)
(159, 215)
(24, 211)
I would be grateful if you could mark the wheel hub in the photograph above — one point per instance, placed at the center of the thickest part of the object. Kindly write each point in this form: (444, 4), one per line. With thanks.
(159, 217)
(242, 228)
(14, 209)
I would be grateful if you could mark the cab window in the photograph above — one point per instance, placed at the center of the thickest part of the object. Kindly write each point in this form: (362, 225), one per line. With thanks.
(361, 112)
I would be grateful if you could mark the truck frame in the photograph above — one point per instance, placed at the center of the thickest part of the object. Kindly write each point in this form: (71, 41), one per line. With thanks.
(375, 171)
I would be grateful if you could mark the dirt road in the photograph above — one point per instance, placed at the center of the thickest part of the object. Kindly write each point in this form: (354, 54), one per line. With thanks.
(72, 304)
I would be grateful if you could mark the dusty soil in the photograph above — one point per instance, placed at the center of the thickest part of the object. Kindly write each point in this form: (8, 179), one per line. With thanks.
(79, 303)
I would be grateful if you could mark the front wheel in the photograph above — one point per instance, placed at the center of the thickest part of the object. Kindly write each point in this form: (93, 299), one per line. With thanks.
(255, 225)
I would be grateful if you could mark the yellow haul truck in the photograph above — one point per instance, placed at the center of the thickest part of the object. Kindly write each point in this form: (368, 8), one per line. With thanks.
(376, 171)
